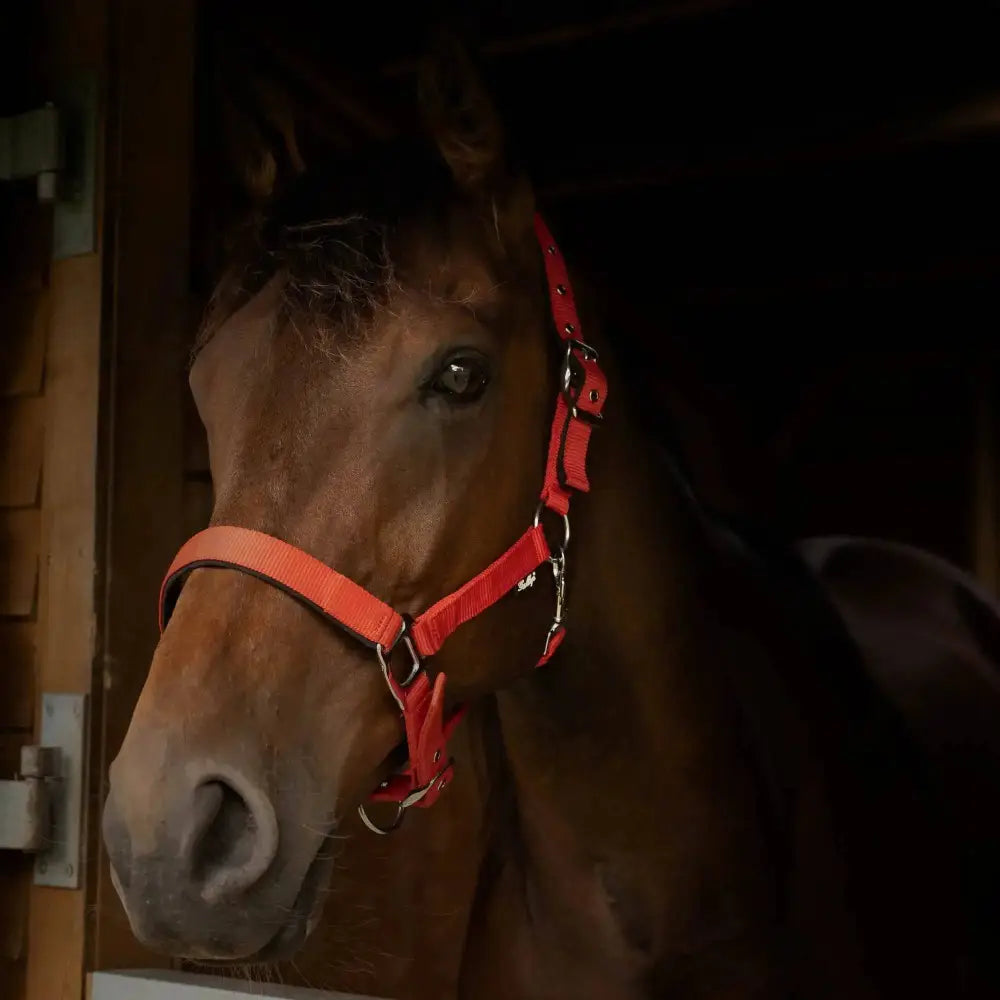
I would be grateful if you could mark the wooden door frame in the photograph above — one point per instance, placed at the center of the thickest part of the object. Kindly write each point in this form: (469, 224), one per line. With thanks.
(147, 324)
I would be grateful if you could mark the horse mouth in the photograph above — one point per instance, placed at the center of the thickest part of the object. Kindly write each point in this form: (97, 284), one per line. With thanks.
(305, 910)
(303, 915)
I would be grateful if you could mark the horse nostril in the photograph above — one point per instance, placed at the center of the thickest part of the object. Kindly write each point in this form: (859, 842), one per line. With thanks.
(232, 839)
(224, 830)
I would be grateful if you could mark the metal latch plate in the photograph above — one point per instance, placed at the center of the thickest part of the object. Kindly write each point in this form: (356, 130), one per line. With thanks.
(63, 726)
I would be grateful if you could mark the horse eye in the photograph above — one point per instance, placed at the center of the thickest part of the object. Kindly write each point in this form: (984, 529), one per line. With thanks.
(462, 380)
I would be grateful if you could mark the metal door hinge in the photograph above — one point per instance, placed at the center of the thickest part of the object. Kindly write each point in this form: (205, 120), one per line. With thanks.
(26, 801)
(41, 808)
(57, 146)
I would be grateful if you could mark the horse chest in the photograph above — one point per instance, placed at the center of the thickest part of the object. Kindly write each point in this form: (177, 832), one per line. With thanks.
(543, 939)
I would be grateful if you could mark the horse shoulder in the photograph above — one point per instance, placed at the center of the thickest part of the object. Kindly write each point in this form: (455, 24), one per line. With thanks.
(929, 635)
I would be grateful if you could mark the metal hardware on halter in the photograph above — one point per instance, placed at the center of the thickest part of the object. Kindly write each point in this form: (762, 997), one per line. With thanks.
(411, 800)
(565, 517)
(558, 564)
(415, 668)
(568, 373)
(571, 378)
(395, 687)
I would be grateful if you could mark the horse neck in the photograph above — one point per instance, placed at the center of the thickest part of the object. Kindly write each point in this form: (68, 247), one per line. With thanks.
(624, 752)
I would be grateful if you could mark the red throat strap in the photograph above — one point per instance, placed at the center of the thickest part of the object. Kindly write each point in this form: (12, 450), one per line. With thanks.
(371, 621)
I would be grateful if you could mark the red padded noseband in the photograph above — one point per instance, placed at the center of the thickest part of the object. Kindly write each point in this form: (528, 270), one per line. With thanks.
(367, 619)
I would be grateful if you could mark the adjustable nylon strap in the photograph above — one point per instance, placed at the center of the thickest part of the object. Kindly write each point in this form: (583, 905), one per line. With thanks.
(335, 596)
(338, 598)
(566, 465)
(441, 619)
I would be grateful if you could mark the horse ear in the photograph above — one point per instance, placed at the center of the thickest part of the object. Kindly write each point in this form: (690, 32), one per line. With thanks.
(459, 114)
(261, 141)
(461, 117)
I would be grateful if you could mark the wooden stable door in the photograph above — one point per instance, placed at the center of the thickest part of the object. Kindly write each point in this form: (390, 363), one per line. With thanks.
(93, 308)
(24, 325)
(50, 373)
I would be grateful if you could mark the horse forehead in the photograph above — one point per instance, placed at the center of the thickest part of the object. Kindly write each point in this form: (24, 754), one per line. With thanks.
(452, 266)
(238, 337)
(474, 287)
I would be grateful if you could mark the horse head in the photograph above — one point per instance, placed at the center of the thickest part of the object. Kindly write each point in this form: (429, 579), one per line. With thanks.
(375, 376)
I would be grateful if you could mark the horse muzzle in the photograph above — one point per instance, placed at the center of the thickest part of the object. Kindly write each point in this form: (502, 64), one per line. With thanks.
(199, 872)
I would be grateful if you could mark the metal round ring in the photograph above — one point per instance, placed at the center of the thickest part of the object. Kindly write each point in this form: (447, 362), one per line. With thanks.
(565, 517)
(383, 831)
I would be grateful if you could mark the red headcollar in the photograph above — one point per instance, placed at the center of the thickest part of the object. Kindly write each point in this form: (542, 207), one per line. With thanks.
(363, 616)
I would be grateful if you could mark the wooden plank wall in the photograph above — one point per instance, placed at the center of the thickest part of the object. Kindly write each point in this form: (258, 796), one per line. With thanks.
(50, 371)
(24, 310)
(75, 42)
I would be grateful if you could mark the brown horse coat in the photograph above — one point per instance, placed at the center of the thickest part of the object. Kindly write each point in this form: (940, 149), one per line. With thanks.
(744, 774)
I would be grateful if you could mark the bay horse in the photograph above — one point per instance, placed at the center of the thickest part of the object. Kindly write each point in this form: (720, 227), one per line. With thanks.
(743, 770)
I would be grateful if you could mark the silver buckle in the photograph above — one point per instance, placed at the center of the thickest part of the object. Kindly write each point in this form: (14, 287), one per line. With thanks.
(589, 354)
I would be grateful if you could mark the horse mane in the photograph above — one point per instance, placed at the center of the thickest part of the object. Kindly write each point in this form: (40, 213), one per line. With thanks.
(329, 234)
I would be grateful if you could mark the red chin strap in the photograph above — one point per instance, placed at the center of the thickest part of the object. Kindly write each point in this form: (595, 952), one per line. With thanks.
(374, 623)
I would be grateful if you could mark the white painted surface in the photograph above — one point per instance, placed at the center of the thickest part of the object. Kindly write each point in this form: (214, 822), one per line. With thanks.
(163, 984)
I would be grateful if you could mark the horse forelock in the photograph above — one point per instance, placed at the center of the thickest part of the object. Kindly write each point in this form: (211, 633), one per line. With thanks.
(332, 238)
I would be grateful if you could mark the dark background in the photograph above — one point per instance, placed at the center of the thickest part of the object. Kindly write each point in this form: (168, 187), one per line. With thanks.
(797, 201)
